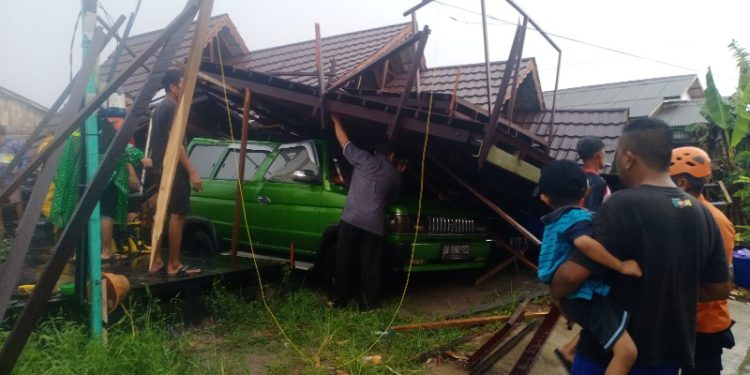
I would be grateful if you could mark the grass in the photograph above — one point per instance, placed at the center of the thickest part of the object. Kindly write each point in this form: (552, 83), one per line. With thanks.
(240, 337)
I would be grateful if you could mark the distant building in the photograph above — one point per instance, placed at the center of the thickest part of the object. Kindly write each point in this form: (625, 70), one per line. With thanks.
(677, 100)
(18, 114)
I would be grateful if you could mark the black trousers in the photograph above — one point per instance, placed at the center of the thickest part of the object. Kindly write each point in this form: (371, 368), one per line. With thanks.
(359, 258)
(708, 350)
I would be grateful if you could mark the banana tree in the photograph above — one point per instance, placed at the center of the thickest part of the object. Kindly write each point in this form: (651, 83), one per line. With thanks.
(732, 116)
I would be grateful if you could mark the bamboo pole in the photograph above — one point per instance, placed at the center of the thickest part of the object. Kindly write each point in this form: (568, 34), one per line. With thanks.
(177, 132)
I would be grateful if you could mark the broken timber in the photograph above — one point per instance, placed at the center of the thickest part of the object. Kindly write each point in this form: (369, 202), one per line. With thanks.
(14, 262)
(530, 354)
(490, 361)
(493, 341)
(464, 322)
(64, 248)
(414, 70)
(177, 130)
(490, 127)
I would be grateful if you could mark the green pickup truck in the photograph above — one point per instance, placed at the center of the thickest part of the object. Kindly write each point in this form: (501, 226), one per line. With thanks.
(295, 192)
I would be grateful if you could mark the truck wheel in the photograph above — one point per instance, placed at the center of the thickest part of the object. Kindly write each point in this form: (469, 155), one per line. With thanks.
(199, 242)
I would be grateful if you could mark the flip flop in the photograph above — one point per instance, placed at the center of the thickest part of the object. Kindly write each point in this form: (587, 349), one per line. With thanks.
(114, 257)
(185, 270)
(159, 270)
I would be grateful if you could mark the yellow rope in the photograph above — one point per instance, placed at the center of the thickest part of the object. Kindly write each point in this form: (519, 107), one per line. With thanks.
(247, 226)
(252, 249)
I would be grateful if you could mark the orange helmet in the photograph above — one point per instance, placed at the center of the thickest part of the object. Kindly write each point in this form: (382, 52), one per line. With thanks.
(690, 160)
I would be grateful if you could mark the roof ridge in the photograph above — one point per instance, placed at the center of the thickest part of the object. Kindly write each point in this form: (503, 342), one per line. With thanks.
(476, 64)
(29, 101)
(327, 37)
(628, 82)
(158, 30)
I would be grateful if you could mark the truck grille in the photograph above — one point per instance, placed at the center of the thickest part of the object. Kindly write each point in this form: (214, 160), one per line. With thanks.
(449, 225)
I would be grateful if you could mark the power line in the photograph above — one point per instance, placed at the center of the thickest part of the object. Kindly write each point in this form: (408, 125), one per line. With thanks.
(613, 50)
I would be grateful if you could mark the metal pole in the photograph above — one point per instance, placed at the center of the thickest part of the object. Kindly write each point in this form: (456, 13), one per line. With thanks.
(92, 164)
(487, 60)
(241, 172)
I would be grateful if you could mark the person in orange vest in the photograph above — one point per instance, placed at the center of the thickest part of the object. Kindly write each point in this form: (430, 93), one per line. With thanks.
(690, 169)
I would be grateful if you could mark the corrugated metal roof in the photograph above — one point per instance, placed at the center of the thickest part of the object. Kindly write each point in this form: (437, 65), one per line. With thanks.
(572, 125)
(220, 25)
(21, 98)
(472, 83)
(348, 50)
(642, 97)
(681, 112)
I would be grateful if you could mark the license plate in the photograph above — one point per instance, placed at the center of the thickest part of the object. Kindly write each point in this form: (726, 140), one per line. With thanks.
(456, 252)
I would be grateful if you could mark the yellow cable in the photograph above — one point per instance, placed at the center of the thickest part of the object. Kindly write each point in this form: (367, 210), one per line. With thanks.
(247, 226)
(252, 250)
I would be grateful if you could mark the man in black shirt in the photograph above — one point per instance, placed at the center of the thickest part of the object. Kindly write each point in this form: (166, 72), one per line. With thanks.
(675, 241)
(591, 152)
(185, 175)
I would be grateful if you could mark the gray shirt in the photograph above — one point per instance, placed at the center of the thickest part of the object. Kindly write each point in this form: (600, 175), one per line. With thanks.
(375, 183)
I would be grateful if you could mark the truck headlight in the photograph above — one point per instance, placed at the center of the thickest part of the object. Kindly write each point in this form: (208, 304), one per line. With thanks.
(398, 223)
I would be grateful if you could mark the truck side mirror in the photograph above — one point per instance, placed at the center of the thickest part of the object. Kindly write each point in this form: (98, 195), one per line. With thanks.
(305, 176)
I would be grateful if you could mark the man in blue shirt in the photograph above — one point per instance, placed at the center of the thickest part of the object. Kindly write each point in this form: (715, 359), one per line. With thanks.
(375, 182)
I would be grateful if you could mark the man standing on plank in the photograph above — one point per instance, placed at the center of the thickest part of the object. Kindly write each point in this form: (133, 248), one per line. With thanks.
(185, 175)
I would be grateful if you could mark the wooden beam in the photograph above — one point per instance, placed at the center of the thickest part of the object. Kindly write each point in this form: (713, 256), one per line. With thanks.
(414, 70)
(452, 106)
(384, 78)
(13, 264)
(491, 126)
(516, 254)
(493, 341)
(525, 232)
(416, 7)
(321, 82)
(121, 41)
(393, 47)
(509, 345)
(516, 68)
(497, 268)
(513, 163)
(531, 353)
(179, 123)
(241, 173)
(468, 322)
(35, 305)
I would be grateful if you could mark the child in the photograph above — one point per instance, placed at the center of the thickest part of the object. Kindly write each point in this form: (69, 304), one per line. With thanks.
(562, 185)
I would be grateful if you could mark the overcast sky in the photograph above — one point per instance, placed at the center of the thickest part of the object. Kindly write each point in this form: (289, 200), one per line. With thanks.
(670, 37)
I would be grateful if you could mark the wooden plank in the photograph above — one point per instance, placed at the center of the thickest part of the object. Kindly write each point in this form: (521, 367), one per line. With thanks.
(241, 173)
(490, 127)
(321, 82)
(493, 341)
(13, 264)
(516, 68)
(179, 123)
(497, 268)
(416, 7)
(64, 248)
(531, 353)
(493, 358)
(516, 254)
(413, 72)
(515, 224)
(391, 48)
(513, 163)
(468, 322)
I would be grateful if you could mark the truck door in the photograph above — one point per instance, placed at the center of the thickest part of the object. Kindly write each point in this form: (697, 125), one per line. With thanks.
(287, 200)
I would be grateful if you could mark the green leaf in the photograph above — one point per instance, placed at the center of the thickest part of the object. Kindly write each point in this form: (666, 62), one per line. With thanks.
(715, 107)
